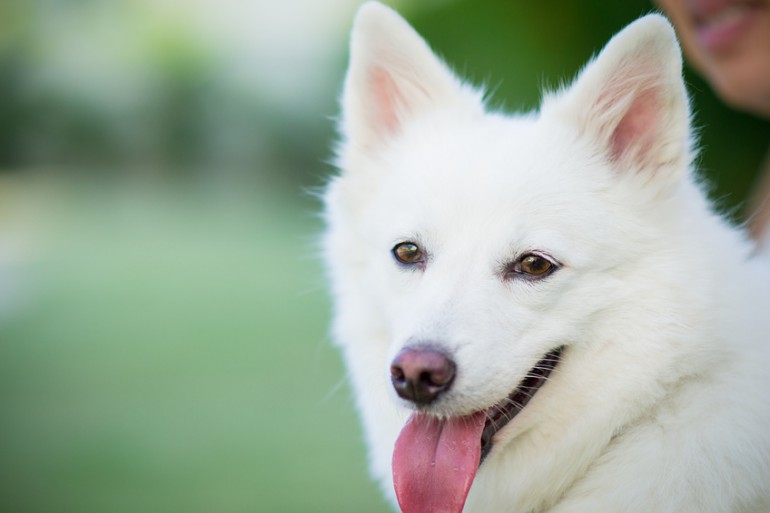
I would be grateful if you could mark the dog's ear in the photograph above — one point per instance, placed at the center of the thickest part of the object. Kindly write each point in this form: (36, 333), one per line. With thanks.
(631, 100)
(393, 76)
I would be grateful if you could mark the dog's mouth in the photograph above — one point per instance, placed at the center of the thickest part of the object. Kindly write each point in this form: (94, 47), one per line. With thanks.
(499, 415)
(435, 460)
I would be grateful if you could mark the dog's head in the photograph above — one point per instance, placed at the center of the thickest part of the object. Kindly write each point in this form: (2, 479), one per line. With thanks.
(472, 251)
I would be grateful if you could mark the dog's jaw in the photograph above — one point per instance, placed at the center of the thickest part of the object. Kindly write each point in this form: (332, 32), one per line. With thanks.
(499, 415)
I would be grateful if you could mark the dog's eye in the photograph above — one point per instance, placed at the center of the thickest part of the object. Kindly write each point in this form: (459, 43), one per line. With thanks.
(531, 266)
(408, 253)
(535, 265)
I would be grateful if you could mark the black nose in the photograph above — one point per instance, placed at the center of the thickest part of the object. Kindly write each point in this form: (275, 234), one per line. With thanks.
(421, 375)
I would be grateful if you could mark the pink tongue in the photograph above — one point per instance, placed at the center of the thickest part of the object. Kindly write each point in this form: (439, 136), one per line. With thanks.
(435, 461)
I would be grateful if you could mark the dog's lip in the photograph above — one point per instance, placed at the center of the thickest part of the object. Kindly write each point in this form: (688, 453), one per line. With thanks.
(499, 415)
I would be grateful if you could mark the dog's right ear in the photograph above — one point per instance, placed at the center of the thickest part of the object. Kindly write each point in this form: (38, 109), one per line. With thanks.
(392, 78)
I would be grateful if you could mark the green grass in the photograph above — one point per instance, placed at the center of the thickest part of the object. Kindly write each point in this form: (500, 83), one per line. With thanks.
(171, 356)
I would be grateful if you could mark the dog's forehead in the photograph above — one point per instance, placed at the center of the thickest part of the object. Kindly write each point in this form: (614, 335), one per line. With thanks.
(493, 150)
(490, 186)
(486, 167)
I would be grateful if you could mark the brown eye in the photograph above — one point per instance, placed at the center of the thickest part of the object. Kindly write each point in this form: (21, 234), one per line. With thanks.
(535, 265)
(531, 266)
(408, 253)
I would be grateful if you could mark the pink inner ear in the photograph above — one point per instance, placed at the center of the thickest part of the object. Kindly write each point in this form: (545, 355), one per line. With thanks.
(636, 133)
(387, 97)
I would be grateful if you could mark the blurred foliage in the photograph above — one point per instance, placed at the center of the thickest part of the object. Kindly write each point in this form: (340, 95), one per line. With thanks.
(118, 87)
(166, 350)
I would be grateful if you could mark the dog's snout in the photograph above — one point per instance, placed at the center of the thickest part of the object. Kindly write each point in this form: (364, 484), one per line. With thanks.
(421, 375)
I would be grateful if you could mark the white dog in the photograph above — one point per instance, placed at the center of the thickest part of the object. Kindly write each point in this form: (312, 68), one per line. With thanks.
(542, 312)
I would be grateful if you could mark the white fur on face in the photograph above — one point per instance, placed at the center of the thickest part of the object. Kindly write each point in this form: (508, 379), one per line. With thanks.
(599, 180)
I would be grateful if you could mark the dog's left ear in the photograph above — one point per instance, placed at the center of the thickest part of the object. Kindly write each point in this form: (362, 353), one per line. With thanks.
(631, 100)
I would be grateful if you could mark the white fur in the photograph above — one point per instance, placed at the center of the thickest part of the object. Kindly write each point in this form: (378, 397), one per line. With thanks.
(662, 400)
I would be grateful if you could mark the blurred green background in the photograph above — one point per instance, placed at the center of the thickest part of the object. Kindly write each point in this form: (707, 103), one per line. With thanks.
(163, 317)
